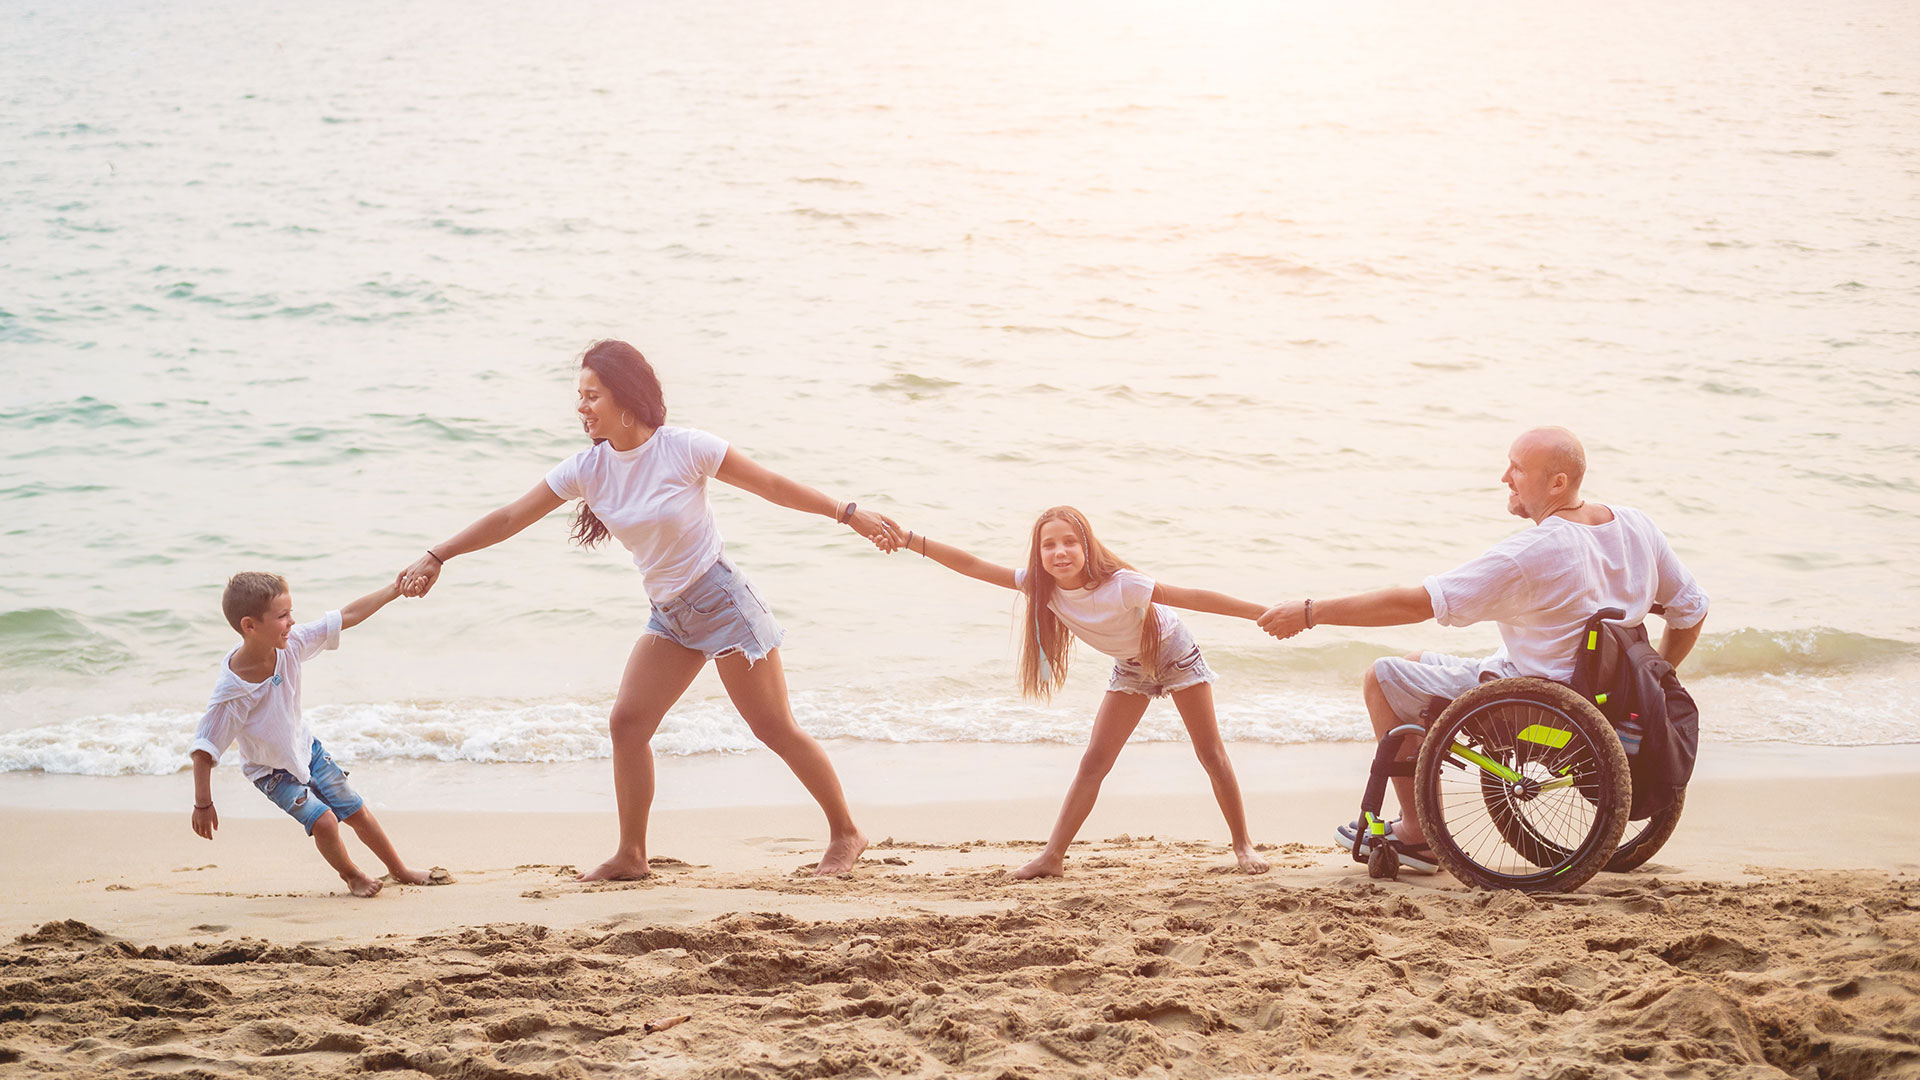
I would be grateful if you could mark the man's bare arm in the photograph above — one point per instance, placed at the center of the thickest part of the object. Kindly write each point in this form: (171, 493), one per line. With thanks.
(1382, 607)
(1676, 643)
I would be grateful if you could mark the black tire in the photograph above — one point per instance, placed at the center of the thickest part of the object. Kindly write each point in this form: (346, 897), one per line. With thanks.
(1644, 839)
(1555, 840)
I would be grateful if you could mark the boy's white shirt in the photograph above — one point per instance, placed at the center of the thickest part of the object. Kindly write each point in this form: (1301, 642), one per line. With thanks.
(264, 717)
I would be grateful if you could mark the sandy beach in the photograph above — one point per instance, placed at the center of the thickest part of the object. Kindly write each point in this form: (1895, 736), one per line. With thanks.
(136, 949)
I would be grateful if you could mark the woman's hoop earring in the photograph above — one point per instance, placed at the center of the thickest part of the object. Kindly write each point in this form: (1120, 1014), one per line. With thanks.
(624, 422)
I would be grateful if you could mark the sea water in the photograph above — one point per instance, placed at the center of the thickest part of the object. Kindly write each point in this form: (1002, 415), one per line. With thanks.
(1264, 289)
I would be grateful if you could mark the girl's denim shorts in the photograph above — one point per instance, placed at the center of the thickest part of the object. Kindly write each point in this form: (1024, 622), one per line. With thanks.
(718, 615)
(1181, 666)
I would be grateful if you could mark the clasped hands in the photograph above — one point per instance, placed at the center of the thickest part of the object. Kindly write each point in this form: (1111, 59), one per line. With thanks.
(1285, 619)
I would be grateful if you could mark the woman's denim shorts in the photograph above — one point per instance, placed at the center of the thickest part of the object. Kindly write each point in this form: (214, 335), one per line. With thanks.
(1181, 666)
(718, 615)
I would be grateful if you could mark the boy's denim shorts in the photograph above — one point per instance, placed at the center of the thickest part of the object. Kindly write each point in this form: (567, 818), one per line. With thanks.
(1181, 666)
(718, 615)
(305, 803)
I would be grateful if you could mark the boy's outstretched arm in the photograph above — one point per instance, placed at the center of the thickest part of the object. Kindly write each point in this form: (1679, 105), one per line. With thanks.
(205, 817)
(356, 613)
(1205, 600)
(961, 562)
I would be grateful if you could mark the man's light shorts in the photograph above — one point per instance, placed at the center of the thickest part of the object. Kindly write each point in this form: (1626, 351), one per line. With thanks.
(305, 803)
(1410, 684)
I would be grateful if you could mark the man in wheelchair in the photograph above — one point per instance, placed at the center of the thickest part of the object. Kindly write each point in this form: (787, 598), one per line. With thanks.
(1539, 586)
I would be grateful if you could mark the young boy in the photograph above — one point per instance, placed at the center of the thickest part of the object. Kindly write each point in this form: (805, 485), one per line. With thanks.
(257, 701)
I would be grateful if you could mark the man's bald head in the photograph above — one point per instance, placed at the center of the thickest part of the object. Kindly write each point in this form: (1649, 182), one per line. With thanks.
(1556, 450)
(1545, 467)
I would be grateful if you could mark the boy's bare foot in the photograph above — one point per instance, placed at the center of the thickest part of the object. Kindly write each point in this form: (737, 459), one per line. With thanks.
(362, 886)
(842, 852)
(618, 868)
(1043, 865)
(1250, 861)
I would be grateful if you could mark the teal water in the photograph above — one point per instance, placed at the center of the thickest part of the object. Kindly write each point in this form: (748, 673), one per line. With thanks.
(1264, 289)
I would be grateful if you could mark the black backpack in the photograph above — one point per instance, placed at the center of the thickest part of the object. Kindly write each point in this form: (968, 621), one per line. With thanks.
(1627, 679)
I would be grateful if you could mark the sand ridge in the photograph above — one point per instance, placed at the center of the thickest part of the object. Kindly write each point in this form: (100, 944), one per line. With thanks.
(1145, 961)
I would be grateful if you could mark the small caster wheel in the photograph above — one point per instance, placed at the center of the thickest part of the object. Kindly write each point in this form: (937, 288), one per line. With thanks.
(1384, 863)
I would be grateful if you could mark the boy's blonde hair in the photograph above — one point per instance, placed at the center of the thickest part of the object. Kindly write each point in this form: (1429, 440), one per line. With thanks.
(248, 594)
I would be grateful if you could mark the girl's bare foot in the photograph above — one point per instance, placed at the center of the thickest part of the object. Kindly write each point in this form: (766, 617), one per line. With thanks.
(1043, 865)
(362, 886)
(842, 852)
(618, 868)
(1250, 860)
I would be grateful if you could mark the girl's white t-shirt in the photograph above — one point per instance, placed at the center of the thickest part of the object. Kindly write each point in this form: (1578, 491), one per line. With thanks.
(1108, 616)
(653, 499)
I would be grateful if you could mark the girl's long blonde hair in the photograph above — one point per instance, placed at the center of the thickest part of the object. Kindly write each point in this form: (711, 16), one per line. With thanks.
(1046, 643)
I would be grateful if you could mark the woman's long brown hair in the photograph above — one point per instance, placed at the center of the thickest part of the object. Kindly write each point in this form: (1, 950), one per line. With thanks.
(635, 388)
(1044, 651)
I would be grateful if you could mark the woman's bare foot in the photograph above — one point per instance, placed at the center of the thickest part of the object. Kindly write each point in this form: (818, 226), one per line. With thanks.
(1250, 860)
(618, 868)
(842, 852)
(1043, 865)
(362, 885)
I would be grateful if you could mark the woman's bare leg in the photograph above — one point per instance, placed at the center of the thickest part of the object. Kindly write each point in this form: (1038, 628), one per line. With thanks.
(658, 672)
(759, 691)
(1119, 714)
(1196, 711)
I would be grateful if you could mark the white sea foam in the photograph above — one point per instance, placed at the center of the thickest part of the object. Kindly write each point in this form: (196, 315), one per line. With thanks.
(1806, 709)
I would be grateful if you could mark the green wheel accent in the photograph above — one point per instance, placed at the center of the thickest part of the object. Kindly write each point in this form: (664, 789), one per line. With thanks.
(1599, 699)
(1550, 737)
(1487, 763)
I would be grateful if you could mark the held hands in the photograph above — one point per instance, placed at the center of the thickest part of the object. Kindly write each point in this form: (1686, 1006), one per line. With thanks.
(885, 533)
(418, 577)
(205, 820)
(1285, 619)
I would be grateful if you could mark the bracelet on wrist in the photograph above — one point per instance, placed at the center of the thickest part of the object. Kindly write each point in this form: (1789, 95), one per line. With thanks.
(1309, 614)
(197, 806)
(435, 558)
(846, 513)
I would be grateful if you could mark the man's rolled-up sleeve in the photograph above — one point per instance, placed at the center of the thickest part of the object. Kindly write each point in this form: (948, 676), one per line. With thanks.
(1678, 593)
(1484, 588)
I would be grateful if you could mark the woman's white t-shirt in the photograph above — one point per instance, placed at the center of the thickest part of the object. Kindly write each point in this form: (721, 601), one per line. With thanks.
(653, 499)
(1108, 615)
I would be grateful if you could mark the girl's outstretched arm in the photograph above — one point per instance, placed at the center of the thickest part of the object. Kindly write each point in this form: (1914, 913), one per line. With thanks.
(961, 562)
(510, 519)
(1204, 600)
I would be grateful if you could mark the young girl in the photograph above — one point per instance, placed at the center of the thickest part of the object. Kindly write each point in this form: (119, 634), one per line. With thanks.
(1075, 587)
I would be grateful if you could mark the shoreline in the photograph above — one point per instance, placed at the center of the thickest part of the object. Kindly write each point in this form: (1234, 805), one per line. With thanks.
(133, 871)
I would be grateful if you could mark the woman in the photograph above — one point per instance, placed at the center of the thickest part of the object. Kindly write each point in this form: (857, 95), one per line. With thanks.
(645, 484)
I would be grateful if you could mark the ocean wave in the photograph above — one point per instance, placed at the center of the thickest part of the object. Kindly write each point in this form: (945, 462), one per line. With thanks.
(1806, 709)
(37, 639)
(1788, 652)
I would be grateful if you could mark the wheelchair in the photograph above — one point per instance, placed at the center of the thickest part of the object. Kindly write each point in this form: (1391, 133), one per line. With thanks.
(1520, 783)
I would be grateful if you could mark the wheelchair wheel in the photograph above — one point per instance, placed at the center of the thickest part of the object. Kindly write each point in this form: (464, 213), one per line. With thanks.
(1644, 838)
(1638, 843)
(1521, 784)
